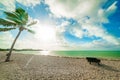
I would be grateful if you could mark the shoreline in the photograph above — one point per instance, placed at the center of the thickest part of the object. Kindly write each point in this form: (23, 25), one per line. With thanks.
(77, 57)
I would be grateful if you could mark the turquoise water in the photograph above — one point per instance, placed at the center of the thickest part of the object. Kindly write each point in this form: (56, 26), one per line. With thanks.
(101, 54)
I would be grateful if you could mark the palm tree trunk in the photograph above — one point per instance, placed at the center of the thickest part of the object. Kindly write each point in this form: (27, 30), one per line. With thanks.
(9, 54)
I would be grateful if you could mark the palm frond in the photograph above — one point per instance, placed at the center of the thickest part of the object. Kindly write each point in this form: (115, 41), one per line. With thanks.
(20, 11)
(13, 17)
(31, 31)
(11, 14)
(6, 22)
(32, 23)
(20, 17)
(24, 18)
(6, 29)
(23, 15)
(16, 20)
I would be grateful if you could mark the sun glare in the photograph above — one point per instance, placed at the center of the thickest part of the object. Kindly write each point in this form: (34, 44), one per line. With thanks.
(44, 52)
(45, 34)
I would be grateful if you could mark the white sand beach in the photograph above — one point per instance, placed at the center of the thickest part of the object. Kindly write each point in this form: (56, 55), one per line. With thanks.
(39, 67)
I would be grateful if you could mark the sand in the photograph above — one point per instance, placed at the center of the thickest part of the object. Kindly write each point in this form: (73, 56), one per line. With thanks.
(39, 67)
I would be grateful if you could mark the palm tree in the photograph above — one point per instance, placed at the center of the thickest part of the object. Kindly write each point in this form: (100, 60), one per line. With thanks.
(13, 20)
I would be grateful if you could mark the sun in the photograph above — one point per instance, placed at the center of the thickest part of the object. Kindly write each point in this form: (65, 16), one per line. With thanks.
(45, 34)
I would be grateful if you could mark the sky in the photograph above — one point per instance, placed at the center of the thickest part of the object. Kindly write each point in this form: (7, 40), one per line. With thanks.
(66, 24)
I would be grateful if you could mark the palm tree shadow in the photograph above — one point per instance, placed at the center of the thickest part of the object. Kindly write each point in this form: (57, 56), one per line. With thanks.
(3, 62)
(107, 67)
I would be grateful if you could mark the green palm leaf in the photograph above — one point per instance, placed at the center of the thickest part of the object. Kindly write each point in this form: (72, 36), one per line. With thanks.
(13, 17)
(12, 14)
(20, 17)
(20, 11)
(6, 22)
(6, 29)
(31, 31)
(23, 15)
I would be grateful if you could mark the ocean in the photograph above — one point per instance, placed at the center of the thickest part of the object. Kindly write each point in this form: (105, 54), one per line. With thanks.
(81, 54)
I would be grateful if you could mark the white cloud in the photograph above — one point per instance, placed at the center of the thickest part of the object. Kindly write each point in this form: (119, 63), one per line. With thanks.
(101, 16)
(113, 7)
(78, 10)
(62, 27)
(29, 2)
(74, 8)
(97, 30)
(103, 45)
(94, 30)
(5, 40)
(89, 29)
(104, 13)
(77, 32)
(94, 45)
(8, 5)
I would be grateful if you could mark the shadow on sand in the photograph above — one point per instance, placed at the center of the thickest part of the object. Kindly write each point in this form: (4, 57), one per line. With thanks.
(3, 62)
(107, 67)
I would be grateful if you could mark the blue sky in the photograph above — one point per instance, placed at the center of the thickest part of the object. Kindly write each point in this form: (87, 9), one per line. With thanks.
(66, 24)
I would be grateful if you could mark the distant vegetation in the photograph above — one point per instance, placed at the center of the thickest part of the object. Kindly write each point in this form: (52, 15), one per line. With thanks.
(21, 49)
